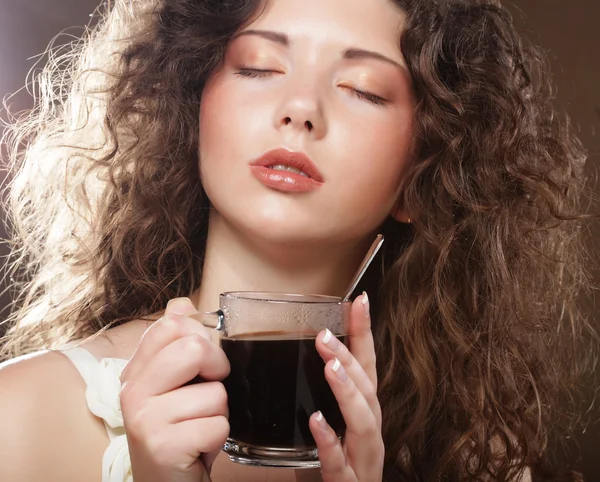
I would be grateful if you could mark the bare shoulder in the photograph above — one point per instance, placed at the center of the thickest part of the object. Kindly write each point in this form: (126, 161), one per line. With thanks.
(118, 342)
(47, 433)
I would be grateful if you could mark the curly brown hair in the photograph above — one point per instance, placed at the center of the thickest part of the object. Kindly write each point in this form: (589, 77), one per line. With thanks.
(478, 322)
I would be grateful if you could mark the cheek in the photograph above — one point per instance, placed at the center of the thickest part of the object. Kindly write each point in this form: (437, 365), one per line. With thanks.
(214, 125)
(229, 124)
(380, 155)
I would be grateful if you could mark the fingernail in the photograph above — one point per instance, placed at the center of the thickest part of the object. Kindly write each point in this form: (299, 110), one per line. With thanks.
(181, 306)
(331, 341)
(321, 420)
(365, 303)
(339, 371)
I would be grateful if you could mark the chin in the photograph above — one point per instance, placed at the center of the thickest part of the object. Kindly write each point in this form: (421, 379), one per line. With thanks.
(287, 221)
(283, 232)
(298, 236)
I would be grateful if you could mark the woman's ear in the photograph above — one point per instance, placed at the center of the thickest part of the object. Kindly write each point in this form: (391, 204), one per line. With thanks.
(399, 213)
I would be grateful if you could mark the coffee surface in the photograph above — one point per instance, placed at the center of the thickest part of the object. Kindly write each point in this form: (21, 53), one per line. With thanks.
(276, 382)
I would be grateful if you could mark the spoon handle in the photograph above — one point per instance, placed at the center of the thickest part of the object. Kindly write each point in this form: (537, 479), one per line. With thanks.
(364, 265)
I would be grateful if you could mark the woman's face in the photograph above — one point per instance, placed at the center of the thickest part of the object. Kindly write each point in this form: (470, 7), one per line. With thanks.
(319, 55)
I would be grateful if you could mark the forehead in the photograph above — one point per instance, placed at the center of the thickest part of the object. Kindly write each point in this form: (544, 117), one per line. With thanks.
(366, 23)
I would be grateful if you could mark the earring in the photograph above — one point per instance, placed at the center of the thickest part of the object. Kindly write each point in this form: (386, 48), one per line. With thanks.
(408, 221)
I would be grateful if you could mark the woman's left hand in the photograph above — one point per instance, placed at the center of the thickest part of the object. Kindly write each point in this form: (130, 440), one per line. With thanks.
(352, 376)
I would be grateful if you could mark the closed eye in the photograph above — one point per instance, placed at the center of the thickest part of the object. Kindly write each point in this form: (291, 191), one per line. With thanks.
(375, 99)
(246, 72)
(260, 73)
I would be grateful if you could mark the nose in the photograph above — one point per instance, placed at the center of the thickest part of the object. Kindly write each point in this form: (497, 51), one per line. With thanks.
(301, 111)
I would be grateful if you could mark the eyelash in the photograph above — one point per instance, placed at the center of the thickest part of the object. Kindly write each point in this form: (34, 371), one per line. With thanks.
(257, 73)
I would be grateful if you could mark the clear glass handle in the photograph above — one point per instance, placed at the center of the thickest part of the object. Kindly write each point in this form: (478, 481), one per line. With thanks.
(211, 319)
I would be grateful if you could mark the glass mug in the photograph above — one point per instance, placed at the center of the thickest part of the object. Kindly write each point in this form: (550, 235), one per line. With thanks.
(277, 376)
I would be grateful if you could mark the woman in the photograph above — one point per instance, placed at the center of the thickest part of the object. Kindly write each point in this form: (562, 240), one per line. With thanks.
(135, 204)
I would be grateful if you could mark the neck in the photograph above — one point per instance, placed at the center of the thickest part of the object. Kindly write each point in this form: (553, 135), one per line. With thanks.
(236, 262)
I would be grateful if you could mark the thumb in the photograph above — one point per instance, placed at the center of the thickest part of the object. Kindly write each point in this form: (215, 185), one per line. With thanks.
(180, 306)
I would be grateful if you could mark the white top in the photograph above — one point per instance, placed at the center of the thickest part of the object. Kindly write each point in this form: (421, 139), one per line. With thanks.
(102, 397)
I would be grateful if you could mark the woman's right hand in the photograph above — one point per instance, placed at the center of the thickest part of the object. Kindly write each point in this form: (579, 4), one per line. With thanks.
(175, 432)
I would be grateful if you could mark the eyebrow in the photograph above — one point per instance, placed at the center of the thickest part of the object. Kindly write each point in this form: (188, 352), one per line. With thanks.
(351, 53)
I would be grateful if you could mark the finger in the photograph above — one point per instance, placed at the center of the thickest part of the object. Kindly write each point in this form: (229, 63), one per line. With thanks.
(199, 400)
(363, 434)
(361, 341)
(182, 443)
(208, 436)
(177, 364)
(334, 467)
(330, 347)
(173, 325)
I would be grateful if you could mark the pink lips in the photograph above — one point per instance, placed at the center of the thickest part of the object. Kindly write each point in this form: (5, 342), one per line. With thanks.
(285, 180)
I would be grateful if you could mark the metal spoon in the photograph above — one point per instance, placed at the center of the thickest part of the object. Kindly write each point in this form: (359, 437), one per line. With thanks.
(364, 265)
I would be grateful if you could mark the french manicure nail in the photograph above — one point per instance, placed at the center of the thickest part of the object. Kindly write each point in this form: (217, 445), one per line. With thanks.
(331, 341)
(365, 303)
(339, 371)
(321, 420)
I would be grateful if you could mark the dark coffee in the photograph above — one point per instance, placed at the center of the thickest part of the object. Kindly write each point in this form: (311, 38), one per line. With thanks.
(276, 382)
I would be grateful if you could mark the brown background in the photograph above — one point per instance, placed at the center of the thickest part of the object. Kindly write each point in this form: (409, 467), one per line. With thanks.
(568, 30)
